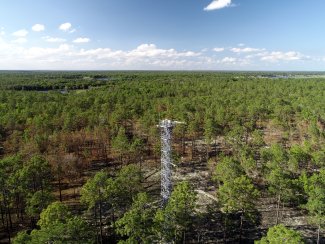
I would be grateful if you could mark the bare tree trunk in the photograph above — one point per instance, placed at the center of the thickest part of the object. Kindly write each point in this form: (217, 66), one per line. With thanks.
(17, 207)
(282, 211)
(100, 221)
(318, 234)
(207, 151)
(22, 214)
(7, 224)
(108, 142)
(241, 228)
(74, 191)
(225, 230)
(183, 142)
(9, 214)
(216, 148)
(60, 189)
(21, 208)
(8, 231)
(95, 216)
(2, 218)
(193, 145)
(278, 209)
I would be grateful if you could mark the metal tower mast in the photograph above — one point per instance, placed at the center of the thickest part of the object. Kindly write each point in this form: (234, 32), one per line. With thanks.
(166, 127)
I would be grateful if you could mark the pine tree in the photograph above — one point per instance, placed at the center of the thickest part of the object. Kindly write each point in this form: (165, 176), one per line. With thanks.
(315, 189)
(172, 222)
(279, 234)
(93, 194)
(239, 195)
(137, 222)
(120, 143)
(58, 225)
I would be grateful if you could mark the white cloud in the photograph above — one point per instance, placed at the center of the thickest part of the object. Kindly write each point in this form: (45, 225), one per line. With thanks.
(20, 40)
(218, 4)
(235, 63)
(38, 27)
(20, 33)
(142, 52)
(281, 56)
(228, 60)
(241, 44)
(145, 56)
(150, 50)
(218, 49)
(81, 40)
(65, 26)
(47, 53)
(54, 39)
(245, 50)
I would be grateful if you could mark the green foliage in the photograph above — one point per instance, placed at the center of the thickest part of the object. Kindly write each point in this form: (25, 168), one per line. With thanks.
(118, 192)
(94, 189)
(299, 158)
(79, 231)
(128, 180)
(25, 185)
(36, 174)
(75, 231)
(8, 167)
(55, 213)
(314, 131)
(238, 195)
(194, 126)
(137, 222)
(282, 182)
(22, 238)
(176, 217)
(274, 156)
(137, 146)
(235, 138)
(37, 202)
(58, 226)
(125, 186)
(318, 158)
(315, 189)
(279, 234)
(209, 129)
(227, 169)
(257, 138)
(247, 161)
(120, 142)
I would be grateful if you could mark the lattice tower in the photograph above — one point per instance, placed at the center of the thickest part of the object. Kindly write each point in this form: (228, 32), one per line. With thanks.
(166, 127)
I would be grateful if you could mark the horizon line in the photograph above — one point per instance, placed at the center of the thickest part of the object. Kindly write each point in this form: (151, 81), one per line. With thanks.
(151, 70)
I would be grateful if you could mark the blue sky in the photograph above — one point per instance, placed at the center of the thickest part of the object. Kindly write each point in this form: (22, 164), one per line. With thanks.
(162, 34)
